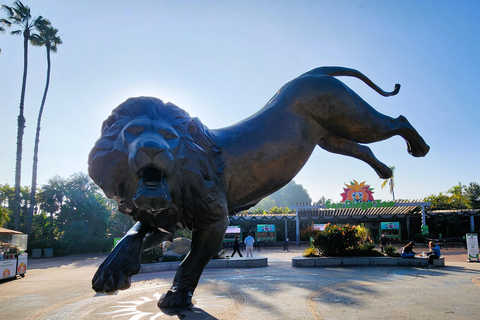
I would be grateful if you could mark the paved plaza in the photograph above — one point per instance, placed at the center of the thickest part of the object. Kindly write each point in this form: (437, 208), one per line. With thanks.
(60, 288)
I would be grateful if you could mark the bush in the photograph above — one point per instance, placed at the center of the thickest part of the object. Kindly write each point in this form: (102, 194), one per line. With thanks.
(335, 240)
(173, 258)
(364, 250)
(311, 252)
(151, 255)
(391, 251)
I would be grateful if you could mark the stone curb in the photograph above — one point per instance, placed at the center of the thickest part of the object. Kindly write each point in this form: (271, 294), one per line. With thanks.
(215, 263)
(363, 261)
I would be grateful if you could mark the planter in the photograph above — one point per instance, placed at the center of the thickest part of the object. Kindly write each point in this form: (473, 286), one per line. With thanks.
(363, 261)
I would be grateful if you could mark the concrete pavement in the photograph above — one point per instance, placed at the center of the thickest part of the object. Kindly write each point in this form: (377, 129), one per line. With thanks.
(59, 288)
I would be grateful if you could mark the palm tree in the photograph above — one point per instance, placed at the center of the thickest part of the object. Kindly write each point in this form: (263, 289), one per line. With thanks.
(458, 198)
(390, 182)
(19, 14)
(47, 37)
(6, 23)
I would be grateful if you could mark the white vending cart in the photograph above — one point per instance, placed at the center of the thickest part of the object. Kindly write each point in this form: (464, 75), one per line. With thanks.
(13, 259)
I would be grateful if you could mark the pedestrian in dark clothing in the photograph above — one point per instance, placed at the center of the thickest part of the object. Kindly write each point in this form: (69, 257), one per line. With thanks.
(236, 247)
(383, 242)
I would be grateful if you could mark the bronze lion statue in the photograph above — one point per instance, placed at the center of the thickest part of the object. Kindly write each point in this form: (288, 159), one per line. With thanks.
(166, 169)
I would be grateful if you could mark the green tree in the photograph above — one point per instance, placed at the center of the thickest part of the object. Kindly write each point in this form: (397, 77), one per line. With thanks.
(391, 183)
(321, 201)
(119, 223)
(51, 199)
(19, 15)
(79, 214)
(289, 195)
(472, 193)
(4, 22)
(279, 210)
(438, 202)
(4, 216)
(47, 37)
(458, 199)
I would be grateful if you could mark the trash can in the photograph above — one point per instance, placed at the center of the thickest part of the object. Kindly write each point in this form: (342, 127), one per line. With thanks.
(36, 253)
(48, 253)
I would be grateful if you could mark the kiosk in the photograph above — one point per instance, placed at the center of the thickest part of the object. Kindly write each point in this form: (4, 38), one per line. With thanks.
(13, 259)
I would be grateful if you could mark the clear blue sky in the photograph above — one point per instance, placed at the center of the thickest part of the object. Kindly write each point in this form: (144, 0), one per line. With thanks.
(223, 60)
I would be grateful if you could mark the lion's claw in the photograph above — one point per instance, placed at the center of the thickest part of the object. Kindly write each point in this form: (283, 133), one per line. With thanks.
(110, 281)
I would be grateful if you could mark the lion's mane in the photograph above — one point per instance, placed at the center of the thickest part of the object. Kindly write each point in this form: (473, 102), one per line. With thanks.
(197, 160)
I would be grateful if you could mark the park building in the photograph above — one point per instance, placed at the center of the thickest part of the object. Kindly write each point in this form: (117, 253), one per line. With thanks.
(400, 221)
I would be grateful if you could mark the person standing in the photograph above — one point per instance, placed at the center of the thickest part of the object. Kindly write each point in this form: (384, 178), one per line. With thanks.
(236, 247)
(383, 242)
(249, 241)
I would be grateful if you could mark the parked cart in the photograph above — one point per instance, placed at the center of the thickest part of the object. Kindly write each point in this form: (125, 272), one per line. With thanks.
(13, 259)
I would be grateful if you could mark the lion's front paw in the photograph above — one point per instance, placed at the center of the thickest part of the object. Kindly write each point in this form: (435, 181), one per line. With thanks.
(109, 281)
(176, 299)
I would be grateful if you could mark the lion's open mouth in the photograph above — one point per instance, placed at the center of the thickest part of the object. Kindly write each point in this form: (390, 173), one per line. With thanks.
(152, 190)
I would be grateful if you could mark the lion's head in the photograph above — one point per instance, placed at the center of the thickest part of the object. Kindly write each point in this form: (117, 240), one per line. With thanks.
(155, 160)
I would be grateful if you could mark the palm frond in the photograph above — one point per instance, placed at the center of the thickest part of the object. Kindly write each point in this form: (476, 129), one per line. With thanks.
(6, 23)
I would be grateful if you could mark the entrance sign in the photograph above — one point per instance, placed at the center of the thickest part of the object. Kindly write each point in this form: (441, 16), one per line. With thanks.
(472, 245)
(358, 196)
(357, 192)
(361, 205)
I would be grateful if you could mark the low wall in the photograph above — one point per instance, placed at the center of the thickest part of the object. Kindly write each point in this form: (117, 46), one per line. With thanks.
(215, 263)
(363, 261)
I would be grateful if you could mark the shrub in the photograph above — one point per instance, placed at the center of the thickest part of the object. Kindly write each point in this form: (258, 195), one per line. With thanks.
(152, 255)
(309, 232)
(173, 258)
(391, 251)
(311, 252)
(335, 240)
(364, 250)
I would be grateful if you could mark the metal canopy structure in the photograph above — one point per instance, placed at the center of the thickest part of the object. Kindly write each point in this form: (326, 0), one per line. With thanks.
(401, 209)
(461, 212)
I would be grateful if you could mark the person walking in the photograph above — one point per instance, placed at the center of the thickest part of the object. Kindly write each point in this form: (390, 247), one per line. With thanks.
(236, 247)
(249, 241)
(383, 242)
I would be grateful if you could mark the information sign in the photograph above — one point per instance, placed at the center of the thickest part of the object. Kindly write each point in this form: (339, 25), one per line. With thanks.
(472, 245)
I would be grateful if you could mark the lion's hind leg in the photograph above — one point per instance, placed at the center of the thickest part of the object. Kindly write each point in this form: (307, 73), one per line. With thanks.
(349, 148)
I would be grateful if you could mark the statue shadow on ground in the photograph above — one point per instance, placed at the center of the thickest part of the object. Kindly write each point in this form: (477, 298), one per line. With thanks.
(192, 313)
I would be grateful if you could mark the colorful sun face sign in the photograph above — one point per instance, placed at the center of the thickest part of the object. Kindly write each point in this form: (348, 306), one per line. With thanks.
(358, 195)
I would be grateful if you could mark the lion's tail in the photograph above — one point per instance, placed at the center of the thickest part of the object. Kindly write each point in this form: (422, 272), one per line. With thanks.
(341, 71)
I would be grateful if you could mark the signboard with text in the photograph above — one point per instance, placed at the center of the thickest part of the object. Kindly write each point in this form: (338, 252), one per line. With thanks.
(472, 245)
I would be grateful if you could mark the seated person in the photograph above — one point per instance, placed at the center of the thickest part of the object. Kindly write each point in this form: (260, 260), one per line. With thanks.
(407, 251)
(434, 253)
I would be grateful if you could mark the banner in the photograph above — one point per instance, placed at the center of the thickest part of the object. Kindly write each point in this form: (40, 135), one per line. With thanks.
(265, 228)
(22, 263)
(7, 268)
(472, 245)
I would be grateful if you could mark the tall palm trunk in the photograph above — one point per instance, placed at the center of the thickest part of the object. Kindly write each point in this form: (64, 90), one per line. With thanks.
(33, 202)
(20, 131)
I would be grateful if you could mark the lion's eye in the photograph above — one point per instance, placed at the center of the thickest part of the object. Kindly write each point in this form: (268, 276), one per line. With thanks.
(167, 134)
(135, 130)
